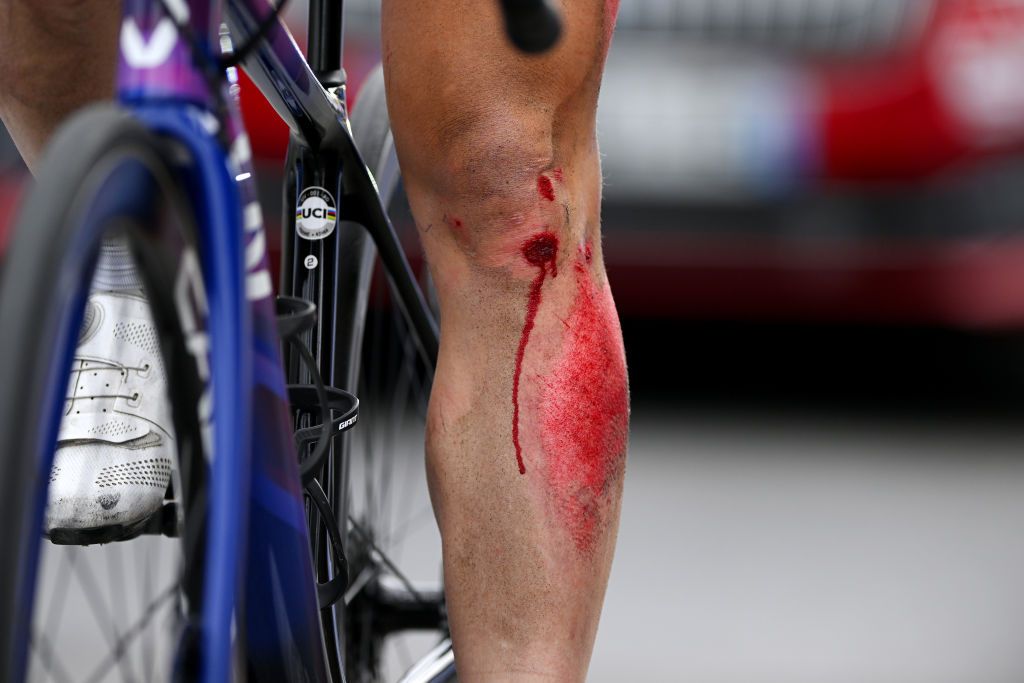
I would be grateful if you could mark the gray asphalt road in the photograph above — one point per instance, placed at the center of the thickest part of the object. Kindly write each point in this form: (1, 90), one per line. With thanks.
(791, 549)
(798, 549)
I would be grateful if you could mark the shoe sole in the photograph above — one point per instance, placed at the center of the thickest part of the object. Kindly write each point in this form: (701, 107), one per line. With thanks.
(163, 522)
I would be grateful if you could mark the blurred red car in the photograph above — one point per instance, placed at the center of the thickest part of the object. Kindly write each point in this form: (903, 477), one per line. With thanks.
(847, 160)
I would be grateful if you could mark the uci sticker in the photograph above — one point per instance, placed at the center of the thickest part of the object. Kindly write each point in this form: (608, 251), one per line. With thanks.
(316, 215)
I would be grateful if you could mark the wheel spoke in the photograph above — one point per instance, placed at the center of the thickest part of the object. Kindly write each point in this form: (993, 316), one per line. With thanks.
(133, 632)
(412, 524)
(55, 615)
(40, 644)
(116, 605)
(404, 501)
(382, 557)
(91, 589)
(109, 612)
(147, 639)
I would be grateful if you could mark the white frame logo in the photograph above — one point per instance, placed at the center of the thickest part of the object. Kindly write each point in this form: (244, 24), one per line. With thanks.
(141, 53)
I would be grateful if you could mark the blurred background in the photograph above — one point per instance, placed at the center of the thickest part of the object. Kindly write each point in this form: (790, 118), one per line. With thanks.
(814, 228)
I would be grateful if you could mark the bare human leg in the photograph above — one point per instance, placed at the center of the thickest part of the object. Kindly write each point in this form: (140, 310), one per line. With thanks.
(528, 421)
(55, 57)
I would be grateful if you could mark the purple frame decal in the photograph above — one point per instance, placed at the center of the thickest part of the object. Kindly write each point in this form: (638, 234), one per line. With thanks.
(154, 62)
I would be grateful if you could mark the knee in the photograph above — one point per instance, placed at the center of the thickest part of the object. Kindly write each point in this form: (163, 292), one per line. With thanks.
(479, 154)
(486, 184)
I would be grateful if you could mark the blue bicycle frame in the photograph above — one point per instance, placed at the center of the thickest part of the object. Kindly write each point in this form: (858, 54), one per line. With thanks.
(257, 535)
(257, 532)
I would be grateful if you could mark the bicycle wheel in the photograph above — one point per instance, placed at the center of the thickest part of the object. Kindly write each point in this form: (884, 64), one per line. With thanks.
(126, 610)
(386, 488)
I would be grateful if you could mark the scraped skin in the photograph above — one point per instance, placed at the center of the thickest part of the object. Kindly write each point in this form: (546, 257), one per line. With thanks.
(584, 412)
(528, 421)
(55, 57)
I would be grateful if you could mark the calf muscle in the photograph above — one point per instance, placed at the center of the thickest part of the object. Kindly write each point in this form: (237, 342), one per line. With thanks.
(527, 440)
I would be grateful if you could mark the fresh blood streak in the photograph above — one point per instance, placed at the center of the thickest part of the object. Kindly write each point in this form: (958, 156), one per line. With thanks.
(546, 189)
(540, 251)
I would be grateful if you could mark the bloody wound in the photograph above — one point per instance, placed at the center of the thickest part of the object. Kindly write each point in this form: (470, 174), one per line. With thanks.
(540, 251)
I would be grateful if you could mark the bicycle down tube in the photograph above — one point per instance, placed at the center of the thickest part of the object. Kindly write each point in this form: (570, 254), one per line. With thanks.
(257, 517)
(159, 80)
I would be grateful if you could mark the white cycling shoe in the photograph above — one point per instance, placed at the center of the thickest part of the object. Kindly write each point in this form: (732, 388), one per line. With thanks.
(116, 445)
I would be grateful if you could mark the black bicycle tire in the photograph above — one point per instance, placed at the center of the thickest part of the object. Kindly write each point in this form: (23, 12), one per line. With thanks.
(371, 131)
(372, 134)
(371, 128)
(42, 277)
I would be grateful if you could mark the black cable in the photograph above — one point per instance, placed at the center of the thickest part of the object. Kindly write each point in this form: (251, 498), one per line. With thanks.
(240, 53)
(310, 466)
(218, 64)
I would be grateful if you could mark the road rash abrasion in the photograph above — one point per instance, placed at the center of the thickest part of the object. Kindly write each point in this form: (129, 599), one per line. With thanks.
(546, 188)
(584, 412)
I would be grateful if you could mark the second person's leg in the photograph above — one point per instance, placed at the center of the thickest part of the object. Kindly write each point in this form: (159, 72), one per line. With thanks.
(55, 57)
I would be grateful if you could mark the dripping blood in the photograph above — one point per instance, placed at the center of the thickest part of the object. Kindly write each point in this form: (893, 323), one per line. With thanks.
(540, 251)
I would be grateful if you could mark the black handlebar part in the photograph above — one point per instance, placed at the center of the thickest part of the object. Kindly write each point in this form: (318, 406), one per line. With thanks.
(533, 26)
